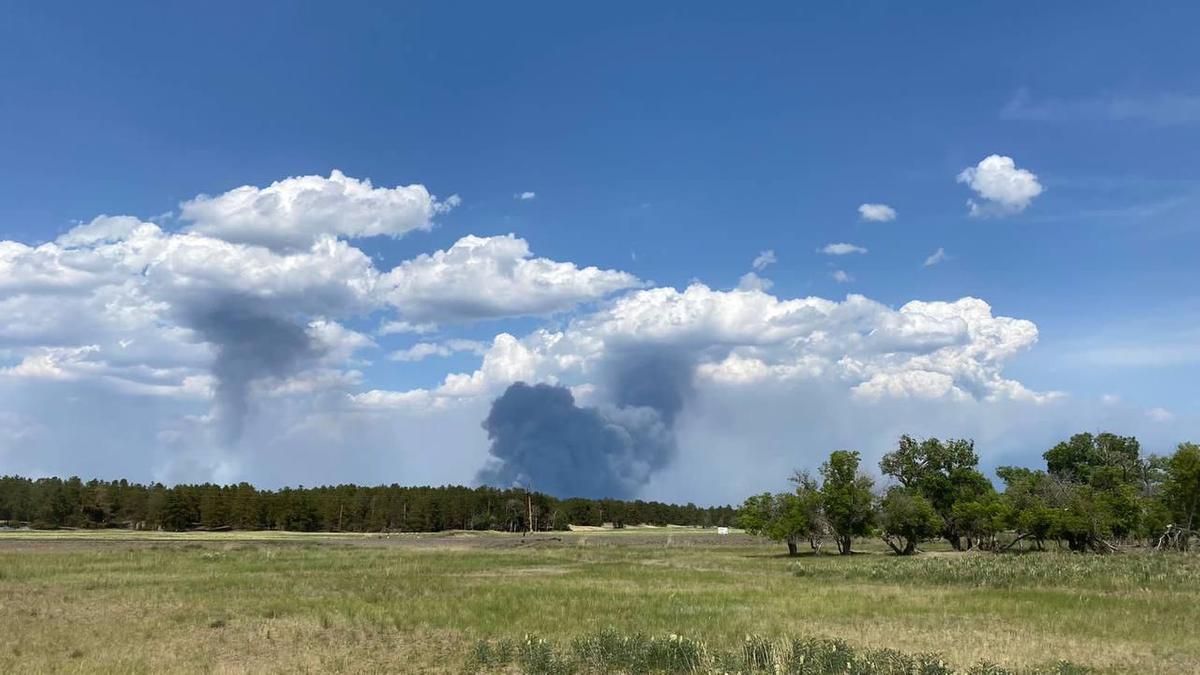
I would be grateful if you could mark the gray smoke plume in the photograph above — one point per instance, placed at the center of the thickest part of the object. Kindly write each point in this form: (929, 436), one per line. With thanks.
(659, 379)
(543, 441)
(251, 345)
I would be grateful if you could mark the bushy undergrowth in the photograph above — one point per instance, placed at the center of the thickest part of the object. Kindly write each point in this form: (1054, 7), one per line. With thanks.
(1029, 570)
(612, 652)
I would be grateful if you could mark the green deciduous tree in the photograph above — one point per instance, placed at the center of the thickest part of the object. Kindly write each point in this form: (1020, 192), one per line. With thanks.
(944, 473)
(1028, 513)
(847, 498)
(1077, 457)
(1100, 490)
(812, 504)
(906, 518)
(1181, 492)
(981, 520)
(778, 517)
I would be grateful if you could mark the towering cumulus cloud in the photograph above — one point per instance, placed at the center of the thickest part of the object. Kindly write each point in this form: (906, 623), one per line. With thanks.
(542, 440)
(231, 344)
(237, 306)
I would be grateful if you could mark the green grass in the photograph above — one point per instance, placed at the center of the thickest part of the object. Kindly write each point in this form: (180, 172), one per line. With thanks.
(1029, 570)
(253, 602)
(609, 651)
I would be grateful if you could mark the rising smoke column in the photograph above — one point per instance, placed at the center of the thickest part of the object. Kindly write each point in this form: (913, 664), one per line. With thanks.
(543, 441)
(659, 379)
(251, 344)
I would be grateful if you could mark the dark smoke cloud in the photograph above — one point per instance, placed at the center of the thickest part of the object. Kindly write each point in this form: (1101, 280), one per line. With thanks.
(251, 345)
(543, 441)
(660, 379)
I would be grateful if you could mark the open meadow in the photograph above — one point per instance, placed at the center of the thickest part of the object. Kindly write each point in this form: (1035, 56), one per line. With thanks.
(115, 601)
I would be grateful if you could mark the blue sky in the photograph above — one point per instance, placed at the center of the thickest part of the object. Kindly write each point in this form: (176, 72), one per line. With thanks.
(674, 143)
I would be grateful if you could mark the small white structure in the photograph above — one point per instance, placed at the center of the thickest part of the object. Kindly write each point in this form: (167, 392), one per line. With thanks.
(722, 530)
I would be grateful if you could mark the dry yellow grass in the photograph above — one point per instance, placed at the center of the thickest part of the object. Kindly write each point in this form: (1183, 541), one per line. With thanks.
(295, 603)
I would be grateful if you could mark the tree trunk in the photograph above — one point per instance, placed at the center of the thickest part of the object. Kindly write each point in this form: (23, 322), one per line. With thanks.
(844, 545)
(1009, 544)
(791, 542)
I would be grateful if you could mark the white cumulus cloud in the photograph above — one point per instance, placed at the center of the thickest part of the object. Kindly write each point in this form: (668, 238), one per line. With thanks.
(1160, 414)
(405, 327)
(752, 282)
(209, 314)
(118, 339)
(953, 349)
(764, 260)
(876, 212)
(491, 277)
(841, 249)
(424, 350)
(293, 212)
(1003, 188)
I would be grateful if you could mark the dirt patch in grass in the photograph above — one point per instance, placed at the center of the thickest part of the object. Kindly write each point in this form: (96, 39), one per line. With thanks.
(522, 572)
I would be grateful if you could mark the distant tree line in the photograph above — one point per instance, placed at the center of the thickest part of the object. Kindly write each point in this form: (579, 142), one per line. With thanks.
(57, 503)
(1096, 493)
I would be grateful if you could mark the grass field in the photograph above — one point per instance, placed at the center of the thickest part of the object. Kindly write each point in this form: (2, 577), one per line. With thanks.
(254, 602)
